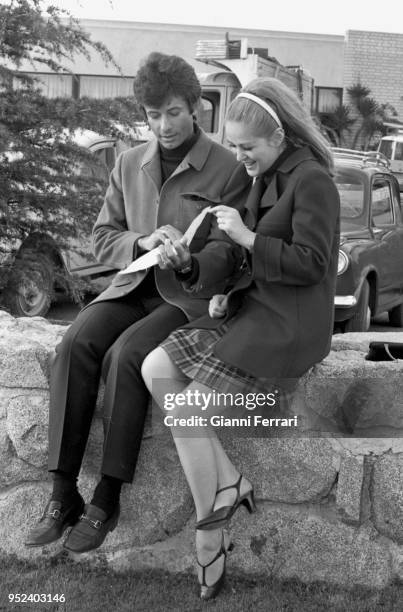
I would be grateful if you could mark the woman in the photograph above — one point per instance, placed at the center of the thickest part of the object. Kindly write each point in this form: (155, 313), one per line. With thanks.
(278, 318)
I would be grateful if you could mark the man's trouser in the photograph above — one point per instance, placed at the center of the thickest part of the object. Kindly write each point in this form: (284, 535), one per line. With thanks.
(112, 338)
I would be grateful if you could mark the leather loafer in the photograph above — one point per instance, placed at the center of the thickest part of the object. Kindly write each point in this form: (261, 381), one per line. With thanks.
(54, 521)
(91, 530)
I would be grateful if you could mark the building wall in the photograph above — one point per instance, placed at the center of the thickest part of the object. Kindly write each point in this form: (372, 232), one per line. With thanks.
(321, 55)
(375, 59)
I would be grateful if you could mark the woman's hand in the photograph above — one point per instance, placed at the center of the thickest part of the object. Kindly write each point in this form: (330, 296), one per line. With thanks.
(229, 220)
(174, 255)
(218, 306)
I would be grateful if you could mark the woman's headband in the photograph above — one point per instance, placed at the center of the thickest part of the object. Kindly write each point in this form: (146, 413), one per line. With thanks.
(263, 104)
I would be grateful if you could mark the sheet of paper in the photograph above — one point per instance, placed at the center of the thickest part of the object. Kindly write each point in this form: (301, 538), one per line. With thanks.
(150, 259)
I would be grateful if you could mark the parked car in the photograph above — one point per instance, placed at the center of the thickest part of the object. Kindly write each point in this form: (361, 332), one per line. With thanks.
(392, 147)
(51, 269)
(370, 271)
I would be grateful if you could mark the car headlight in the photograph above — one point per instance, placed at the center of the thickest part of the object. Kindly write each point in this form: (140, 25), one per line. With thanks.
(342, 263)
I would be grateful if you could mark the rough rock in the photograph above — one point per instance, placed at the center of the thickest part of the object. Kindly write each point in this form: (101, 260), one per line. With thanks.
(349, 488)
(19, 506)
(397, 563)
(387, 496)
(24, 363)
(359, 341)
(306, 544)
(283, 542)
(356, 397)
(26, 348)
(177, 554)
(286, 470)
(330, 493)
(367, 446)
(34, 328)
(13, 469)
(27, 427)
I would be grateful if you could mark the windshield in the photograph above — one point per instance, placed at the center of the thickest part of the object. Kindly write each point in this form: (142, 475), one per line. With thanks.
(385, 147)
(351, 190)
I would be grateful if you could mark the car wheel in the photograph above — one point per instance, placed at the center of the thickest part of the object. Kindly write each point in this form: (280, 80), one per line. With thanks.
(361, 320)
(30, 288)
(396, 316)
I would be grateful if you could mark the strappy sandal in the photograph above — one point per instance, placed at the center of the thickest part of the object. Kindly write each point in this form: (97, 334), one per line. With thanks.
(220, 517)
(210, 591)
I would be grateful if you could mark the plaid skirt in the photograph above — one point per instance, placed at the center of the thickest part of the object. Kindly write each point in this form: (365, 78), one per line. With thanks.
(192, 351)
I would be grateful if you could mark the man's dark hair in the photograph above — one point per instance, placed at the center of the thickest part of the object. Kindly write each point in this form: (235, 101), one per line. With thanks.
(163, 76)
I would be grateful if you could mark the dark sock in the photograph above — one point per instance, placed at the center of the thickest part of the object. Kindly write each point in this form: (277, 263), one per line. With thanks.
(107, 493)
(64, 486)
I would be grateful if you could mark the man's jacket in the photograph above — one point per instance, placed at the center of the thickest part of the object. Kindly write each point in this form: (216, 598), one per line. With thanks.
(136, 204)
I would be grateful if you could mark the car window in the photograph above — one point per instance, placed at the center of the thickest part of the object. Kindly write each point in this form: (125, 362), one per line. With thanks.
(208, 112)
(399, 151)
(96, 168)
(381, 208)
(351, 191)
(385, 147)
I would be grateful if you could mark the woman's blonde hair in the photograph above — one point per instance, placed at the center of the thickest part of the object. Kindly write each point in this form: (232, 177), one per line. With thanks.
(299, 127)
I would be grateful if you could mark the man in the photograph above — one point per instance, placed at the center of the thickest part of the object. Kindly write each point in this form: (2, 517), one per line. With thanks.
(155, 191)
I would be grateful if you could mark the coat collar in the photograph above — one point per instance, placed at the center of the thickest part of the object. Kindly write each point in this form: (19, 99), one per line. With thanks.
(267, 196)
(195, 158)
(293, 160)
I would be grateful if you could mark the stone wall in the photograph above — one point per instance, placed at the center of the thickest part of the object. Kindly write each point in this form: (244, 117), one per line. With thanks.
(329, 508)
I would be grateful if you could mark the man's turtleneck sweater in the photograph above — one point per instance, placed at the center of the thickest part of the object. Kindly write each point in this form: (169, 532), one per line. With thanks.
(170, 160)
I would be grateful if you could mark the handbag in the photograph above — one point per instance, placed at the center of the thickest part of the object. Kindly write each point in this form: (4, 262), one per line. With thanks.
(385, 351)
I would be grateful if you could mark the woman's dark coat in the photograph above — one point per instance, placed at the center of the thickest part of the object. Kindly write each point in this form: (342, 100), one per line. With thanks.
(285, 295)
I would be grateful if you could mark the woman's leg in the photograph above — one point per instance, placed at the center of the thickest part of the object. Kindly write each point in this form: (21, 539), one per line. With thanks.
(193, 453)
(227, 475)
(194, 444)
(202, 457)
(206, 465)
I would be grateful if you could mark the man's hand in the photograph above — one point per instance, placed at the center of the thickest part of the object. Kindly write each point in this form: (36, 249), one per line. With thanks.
(218, 306)
(147, 243)
(229, 220)
(174, 255)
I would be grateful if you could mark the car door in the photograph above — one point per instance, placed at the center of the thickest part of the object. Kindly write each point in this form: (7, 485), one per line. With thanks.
(398, 212)
(387, 230)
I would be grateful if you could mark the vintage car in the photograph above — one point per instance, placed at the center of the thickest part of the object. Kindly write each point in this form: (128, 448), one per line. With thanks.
(370, 267)
(38, 270)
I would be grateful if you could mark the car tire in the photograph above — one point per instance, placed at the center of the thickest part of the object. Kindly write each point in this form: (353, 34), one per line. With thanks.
(396, 316)
(361, 320)
(30, 288)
